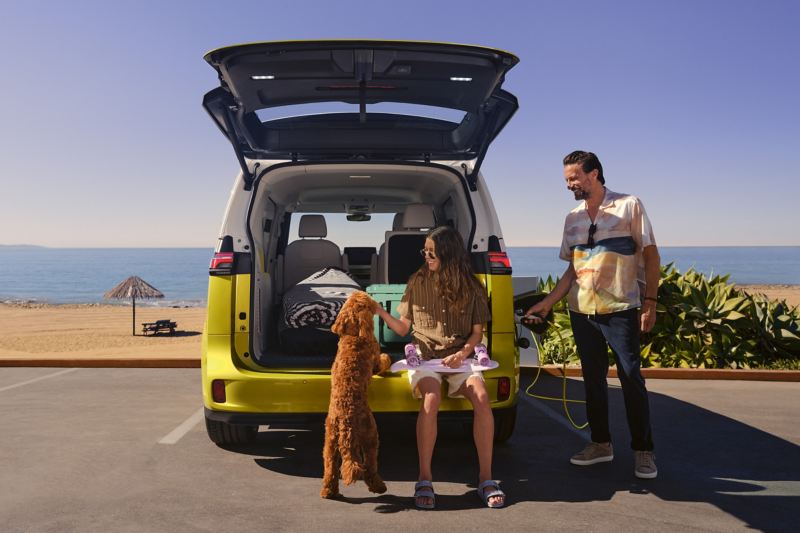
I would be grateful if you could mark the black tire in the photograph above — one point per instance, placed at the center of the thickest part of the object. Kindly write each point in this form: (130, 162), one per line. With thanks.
(223, 434)
(504, 422)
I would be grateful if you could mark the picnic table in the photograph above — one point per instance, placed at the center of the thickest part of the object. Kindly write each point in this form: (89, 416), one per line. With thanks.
(158, 326)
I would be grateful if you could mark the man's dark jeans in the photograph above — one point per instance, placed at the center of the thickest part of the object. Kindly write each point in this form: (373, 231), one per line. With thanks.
(620, 331)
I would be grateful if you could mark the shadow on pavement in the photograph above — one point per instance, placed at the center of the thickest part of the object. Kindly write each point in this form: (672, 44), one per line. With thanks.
(702, 456)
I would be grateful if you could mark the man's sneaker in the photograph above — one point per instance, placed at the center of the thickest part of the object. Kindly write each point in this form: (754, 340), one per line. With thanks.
(645, 465)
(595, 452)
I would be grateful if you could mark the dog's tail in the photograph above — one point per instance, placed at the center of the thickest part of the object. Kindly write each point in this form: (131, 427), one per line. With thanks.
(353, 456)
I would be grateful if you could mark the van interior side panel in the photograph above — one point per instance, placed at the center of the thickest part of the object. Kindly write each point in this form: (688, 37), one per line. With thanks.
(264, 240)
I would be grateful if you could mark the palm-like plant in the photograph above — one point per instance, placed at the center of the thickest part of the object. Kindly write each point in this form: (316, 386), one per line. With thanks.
(701, 322)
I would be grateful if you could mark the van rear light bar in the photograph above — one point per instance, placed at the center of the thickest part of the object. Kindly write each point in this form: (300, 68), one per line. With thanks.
(221, 263)
(499, 263)
(218, 391)
(503, 389)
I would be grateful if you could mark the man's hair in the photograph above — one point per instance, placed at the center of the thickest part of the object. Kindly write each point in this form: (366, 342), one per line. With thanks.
(588, 162)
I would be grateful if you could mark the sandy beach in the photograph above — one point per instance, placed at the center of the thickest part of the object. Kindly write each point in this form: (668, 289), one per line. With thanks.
(96, 331)
(790, 293)
(41, 331)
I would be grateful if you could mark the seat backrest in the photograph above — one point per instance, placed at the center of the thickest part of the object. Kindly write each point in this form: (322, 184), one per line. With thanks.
(401, 253)
(310, 253)
(379, 270)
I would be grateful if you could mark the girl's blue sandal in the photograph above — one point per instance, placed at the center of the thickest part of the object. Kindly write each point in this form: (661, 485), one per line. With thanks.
(424, 489)
(484, 495)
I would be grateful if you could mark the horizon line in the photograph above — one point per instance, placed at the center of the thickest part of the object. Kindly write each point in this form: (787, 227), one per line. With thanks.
(168, 247)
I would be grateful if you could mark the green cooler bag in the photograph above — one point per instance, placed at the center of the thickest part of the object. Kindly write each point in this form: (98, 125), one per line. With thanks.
(389, 296)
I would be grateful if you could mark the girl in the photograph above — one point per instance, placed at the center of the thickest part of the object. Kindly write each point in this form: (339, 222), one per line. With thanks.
(447, 307)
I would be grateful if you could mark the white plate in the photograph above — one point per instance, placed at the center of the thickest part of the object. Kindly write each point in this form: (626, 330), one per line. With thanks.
(436, 365)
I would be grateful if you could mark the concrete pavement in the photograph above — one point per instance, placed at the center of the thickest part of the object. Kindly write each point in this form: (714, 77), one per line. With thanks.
(121, 449)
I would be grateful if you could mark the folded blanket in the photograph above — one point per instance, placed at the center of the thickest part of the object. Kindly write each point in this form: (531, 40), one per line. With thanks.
(316, 300)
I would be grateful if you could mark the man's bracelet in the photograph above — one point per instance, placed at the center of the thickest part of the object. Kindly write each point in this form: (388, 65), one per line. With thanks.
(651, 298)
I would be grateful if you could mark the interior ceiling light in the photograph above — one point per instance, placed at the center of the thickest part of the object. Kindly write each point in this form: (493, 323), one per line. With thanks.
(454, 78)
(262, 77)
(360, 177)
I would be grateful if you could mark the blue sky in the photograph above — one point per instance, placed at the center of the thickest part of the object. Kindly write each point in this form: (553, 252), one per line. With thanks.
(691, 105)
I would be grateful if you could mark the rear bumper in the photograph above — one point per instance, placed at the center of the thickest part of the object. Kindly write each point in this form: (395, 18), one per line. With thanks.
(304, 394)
(278, 419)
(264, 419)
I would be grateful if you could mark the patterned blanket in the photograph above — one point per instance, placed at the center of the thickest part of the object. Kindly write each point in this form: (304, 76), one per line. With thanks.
(316, 300)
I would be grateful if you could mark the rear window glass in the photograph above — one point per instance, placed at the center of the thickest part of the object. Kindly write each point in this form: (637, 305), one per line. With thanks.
(415, 110)
(343, 232)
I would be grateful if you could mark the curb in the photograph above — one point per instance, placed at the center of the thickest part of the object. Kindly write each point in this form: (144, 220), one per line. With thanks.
(104, 363)
(723, 374)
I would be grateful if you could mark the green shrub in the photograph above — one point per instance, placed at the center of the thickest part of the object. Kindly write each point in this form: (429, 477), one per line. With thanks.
(701, 322)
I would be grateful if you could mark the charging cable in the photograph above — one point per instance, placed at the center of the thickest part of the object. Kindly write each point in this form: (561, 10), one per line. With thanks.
(563, 399)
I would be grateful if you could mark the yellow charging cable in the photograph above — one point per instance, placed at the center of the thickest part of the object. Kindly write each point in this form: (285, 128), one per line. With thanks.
(563, 399)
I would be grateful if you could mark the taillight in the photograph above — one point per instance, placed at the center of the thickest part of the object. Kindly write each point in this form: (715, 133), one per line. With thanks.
(503, 389)
(221, 263)
(218, 390)
(499, 263)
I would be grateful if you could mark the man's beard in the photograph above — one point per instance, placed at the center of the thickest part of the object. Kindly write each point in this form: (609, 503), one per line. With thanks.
(580, 194)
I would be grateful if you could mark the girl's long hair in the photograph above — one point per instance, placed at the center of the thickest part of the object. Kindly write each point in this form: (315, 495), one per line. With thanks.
(455, 280)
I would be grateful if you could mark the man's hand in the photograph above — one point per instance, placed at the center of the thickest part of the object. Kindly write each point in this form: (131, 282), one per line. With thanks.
(648, 316)
(536, 314)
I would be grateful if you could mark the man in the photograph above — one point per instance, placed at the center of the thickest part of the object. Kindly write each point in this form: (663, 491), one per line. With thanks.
(611, 285)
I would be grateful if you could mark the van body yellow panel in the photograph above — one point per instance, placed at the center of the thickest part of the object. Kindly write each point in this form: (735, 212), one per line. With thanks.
(242, 315)
(220, 304)
(501, 293)
(287, 391)
(253, 389)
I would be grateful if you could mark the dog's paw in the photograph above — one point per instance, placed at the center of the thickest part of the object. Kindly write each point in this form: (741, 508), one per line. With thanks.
(384, 362)
(330, 494)
(378, 487)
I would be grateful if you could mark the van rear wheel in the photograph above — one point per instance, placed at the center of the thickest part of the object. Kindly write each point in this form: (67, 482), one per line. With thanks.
(504, 422)
(222, 433)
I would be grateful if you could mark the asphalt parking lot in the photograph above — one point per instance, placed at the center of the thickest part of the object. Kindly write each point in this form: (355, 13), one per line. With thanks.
(126, 450)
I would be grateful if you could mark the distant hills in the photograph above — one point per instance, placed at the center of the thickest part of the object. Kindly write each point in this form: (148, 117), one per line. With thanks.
(20, 246)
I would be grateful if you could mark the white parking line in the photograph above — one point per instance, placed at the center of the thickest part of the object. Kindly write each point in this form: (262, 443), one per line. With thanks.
(177, 434)
(561, 419)
(748, 487)
(40, 378)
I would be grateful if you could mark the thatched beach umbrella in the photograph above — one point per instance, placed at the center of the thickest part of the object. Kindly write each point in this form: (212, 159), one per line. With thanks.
(133, 287)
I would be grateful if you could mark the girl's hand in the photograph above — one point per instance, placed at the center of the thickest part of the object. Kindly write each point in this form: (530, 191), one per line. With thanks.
(380, 311)
(457, 359)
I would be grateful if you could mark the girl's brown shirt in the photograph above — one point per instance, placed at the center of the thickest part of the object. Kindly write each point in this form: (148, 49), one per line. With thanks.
(438, 328)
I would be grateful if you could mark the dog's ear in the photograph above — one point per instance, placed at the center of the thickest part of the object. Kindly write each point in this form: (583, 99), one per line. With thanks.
(365, 325)
(338, 324)
(347, 322)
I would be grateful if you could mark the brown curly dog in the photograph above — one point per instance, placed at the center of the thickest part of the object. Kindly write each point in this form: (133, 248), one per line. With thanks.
(351, 435)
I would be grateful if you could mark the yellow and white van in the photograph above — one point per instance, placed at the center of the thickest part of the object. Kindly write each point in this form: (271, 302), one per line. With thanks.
(383, 150)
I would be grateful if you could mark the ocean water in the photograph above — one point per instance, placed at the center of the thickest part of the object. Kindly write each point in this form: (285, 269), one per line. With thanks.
(745, 264)
(82, 275)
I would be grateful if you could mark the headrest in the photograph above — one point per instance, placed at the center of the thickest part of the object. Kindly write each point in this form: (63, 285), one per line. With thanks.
(418, 216)
(312, 226)
(397, 222)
